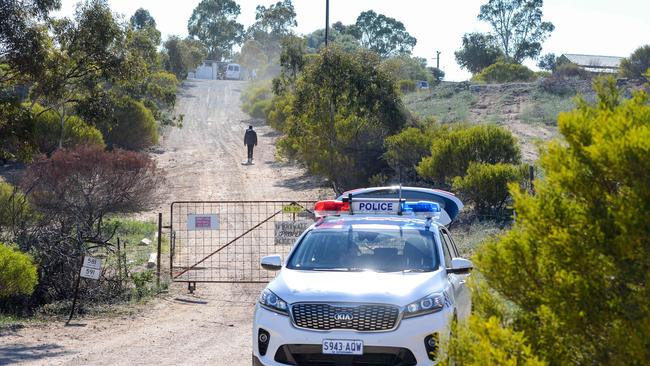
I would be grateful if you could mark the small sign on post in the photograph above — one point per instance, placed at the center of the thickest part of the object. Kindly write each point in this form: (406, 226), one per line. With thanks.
(91, 268)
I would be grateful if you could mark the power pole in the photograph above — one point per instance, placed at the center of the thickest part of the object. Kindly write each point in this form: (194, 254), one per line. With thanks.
(327, 22)
(438, 60)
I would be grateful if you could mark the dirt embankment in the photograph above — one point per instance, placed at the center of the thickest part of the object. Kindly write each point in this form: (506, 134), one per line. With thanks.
(202, 161)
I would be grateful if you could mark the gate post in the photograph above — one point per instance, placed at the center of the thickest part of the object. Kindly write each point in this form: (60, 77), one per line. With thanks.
(159, 249)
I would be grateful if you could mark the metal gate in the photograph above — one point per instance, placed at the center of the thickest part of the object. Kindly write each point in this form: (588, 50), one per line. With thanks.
(223, 241)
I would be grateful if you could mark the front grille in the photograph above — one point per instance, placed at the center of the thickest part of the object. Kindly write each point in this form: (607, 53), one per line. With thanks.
(311, 355)
(363, 317)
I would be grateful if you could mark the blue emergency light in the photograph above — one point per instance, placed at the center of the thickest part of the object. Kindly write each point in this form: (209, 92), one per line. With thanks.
(420, 208)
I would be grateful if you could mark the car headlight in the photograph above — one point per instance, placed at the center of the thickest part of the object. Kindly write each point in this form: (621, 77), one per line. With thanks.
(273, 302)
(426, 305)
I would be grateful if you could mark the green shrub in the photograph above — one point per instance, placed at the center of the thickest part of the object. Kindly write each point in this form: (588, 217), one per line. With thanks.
(635, 66)
(14, 209)
(486, 186)
(161, 88)
(47, 131)
(280, 110)
(367, 109)
(574, 267)
(502, 72)
(260, 108)
(483, 342)
(18, 274)
(406, 86)
(405, 150)
(135, 127)
(451, 156)
(256, 99)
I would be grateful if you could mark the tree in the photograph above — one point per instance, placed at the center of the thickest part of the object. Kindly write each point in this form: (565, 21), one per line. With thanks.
(182, 55)
(518, 27)
(344, 41)
(635, 66)
(384, 35)
(547, 62)
(479, 51)
(574, 267)
(87, 52)
(272, 25)
(23, 42)
(366, 108)
(252, 56)
(142, 19)
(436, 73)
(451, 156)
(404, 67)
(213, 22)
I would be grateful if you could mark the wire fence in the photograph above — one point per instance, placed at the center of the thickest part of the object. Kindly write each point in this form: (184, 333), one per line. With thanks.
(225, 241)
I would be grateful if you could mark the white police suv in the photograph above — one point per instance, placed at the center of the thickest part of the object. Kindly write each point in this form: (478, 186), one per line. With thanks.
(372, 282)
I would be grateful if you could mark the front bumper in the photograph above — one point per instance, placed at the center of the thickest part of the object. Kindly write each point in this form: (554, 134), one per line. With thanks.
(410, 334)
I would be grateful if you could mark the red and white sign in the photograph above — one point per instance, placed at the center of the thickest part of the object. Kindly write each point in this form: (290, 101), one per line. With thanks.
(203, 222)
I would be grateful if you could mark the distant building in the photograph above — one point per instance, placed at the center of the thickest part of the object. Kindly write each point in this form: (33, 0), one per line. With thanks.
(593, 63)
(207, 70)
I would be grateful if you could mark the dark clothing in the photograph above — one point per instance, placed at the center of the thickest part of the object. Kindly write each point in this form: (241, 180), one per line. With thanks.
(250, 138)
(250, 151)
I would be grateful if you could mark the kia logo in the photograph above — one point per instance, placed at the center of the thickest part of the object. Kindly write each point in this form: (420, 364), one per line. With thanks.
(343, 316)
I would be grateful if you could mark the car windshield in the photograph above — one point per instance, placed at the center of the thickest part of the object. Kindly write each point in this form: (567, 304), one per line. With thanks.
(390, 248)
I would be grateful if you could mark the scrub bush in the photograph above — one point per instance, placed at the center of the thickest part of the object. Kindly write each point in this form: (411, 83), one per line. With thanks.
(502, 72)
(486, 186)
(486, 342)
(406, 86)
(574, 268)
(134, 126)
(256, 100)
(635, 66)
(451, 156)
(47, 131)
(18, 275)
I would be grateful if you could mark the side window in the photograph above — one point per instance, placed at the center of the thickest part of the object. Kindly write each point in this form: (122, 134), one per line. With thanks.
(236, 68)
(445, 250)
(452, 246)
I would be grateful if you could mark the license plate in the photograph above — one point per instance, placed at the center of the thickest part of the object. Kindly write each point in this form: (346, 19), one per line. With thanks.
(375, 207)
(342, 347)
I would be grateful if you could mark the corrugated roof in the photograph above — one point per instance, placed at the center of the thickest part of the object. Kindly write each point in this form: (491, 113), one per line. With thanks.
(594, 60)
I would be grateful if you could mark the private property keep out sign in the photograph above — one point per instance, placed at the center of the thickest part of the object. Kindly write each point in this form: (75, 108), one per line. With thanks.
(203, 222)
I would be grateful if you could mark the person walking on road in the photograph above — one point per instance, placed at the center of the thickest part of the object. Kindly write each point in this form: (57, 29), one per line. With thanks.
(250, 140)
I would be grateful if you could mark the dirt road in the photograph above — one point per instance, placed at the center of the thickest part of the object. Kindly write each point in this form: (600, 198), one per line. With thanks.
(203, 161)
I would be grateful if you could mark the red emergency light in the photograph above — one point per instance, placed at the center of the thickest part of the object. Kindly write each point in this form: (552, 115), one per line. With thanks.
(331, 207)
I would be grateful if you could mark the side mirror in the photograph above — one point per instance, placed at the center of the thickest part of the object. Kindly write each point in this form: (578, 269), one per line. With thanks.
(271, 262)
(460, 266)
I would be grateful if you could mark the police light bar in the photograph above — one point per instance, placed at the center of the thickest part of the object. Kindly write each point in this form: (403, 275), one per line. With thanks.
(376, 207)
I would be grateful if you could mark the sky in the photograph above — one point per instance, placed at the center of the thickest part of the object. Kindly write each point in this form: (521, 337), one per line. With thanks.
(597, 27)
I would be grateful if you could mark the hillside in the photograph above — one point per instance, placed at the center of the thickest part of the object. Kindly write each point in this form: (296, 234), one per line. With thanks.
(527, 109)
